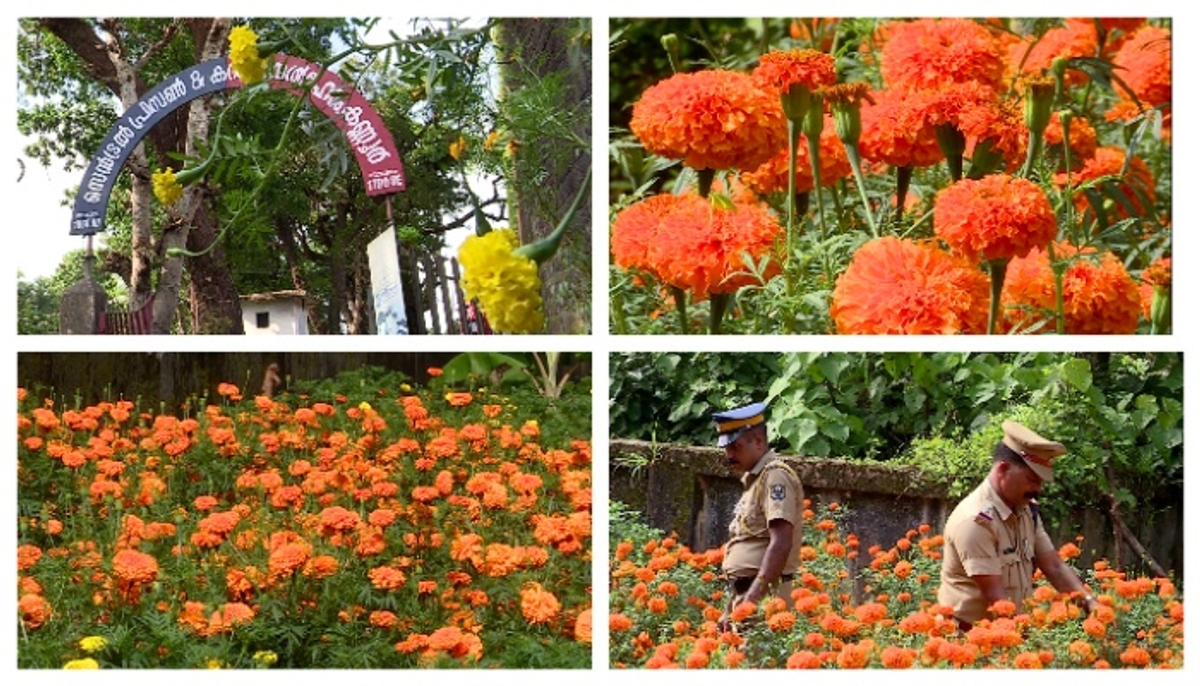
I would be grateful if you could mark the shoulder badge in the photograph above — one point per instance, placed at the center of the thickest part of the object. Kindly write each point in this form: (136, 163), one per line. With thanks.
(983, 517)
(778, 492)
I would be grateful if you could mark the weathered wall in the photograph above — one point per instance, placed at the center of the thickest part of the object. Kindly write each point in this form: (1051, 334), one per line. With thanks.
(690, 491)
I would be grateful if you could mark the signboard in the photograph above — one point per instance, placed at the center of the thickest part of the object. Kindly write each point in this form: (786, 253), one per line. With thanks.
(374, 149)
(388, 291)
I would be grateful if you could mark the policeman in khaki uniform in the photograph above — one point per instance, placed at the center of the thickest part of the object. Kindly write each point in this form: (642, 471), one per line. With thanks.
(763, 550)
(994, 539)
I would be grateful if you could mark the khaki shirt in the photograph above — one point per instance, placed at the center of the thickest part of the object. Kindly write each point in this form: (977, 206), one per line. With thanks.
(771, 490)
(983, 536)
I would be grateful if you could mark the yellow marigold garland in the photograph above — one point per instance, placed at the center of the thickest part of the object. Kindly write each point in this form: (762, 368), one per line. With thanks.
(166, 187)
(507, 285)
(244, 57)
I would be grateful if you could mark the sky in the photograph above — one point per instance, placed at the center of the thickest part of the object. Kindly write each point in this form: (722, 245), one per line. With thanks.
(41, 192)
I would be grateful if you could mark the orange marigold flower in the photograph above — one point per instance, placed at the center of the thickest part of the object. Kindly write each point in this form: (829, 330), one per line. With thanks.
(896, 130)
(854, 655)
(287, 558)
(712, 119)
(321, 566)
(1135, 656)
(780, 69)
(583, 626)
(1076, 38)
(27, 556)
(771, 175)
(338, 518)
(459, 399)
(619, 622)
(1144, 64)
(1136, 184)
(1003, 608)
(894, 286)
(538, 605)
(1094, 627)
(34, 610)
(1083, 140)
(134, 567)
(743, 611)
(996, 217)
(1082, 652)
(781, 622)
(1156, 276)
(383, 619)
(1099, 296)
(386, 578)
(687, 242)
(894, 657)
(804, 659)
(870, 613)
(1027, 660)
(928, 54)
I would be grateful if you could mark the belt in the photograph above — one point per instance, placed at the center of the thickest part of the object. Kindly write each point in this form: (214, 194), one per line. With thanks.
(741, 584)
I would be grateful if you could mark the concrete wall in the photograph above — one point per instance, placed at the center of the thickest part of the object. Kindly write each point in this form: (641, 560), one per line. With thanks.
(691, 492)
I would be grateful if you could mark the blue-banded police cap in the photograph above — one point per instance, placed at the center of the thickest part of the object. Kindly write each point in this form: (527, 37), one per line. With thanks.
(731, 424)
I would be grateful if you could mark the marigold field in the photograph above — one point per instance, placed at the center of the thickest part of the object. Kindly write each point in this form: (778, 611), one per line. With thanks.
(392, 528)
(666, 600)
(865, 175)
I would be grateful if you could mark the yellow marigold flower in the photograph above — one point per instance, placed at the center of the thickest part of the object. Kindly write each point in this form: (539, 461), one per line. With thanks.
(84, 663)
(490, 141)
(166, 187)
(458, 147)
(365, 406)
(92, 644)
(266, 657)
(507, 285)
(214, 663)
(244, 57)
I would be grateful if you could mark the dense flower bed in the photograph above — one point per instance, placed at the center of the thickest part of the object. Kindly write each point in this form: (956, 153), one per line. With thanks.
(1029, 155)
(408, 527)
(666, 601)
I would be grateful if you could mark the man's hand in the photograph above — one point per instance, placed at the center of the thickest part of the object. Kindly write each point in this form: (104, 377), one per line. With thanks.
(758, 589)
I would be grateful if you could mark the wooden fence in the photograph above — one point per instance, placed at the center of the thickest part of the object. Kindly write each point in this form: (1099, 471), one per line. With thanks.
(433, 287)
(120, 321)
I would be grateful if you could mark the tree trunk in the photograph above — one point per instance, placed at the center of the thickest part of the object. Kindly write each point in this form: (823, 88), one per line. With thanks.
(214, 300)
(545, 47)
(209, 316)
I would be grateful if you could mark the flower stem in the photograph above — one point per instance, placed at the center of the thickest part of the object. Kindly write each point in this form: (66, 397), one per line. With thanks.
(704, 181)
(680, 307)
(1060, 322)
(997, 269)
(903, 178)
(718, 303)
(814, 159)
(793, 144)
(861, 182)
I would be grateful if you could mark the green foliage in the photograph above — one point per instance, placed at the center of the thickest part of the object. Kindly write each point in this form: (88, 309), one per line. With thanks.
(1119, 414)
(671, 396)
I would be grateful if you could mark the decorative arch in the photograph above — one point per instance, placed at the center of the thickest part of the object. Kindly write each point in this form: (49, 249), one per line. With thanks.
(378, 160)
